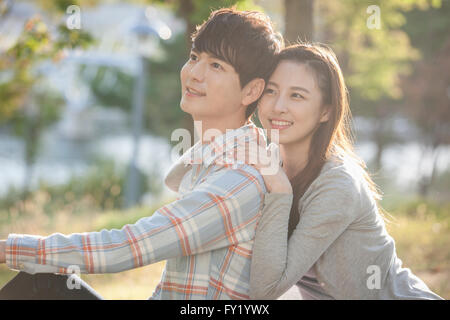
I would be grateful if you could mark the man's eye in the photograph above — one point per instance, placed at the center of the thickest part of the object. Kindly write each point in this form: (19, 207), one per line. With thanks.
(215, 65)
(297, 96)
(268, 91)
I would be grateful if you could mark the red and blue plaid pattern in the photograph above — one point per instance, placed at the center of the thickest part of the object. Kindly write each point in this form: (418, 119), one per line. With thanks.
(206, 235)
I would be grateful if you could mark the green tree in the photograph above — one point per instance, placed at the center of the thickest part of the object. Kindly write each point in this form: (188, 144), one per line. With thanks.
(299, 20)
(27, 106)
(373, 56)
(163, 91)
(427, 89)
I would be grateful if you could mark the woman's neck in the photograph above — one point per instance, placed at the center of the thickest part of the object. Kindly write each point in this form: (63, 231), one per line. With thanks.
(295, 157)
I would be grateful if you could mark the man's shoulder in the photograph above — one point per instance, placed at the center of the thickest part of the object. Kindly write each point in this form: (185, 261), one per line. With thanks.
(234, 177)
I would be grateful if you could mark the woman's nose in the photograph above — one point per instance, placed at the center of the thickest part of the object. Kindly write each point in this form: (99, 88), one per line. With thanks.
(280, 105)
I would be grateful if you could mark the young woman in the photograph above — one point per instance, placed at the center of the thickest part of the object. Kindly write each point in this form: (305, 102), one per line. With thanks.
(332, 243)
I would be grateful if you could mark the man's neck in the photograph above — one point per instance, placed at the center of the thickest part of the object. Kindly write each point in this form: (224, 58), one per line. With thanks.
(207, 128)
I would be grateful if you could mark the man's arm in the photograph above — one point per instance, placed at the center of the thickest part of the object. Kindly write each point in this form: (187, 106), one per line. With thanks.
(220, 212)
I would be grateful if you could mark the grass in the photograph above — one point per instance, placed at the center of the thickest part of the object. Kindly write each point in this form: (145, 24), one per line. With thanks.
(136, 284)
(421, 230)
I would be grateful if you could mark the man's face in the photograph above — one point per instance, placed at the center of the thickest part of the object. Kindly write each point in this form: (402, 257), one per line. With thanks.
(210, 87)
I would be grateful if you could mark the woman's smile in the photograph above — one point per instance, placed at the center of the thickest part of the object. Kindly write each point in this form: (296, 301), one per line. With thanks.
(280, 124)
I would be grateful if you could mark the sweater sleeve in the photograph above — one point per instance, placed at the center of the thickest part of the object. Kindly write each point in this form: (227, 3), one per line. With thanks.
(277, 264)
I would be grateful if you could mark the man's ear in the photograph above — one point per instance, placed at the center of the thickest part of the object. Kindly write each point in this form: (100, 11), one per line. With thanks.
(252, 91)
(326, 112)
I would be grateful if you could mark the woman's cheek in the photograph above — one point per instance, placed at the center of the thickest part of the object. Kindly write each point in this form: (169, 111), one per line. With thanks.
(265, 104)
(263, 115)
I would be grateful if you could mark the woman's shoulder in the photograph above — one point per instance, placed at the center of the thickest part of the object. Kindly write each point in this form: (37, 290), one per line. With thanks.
(343, 179)
(342, 171)
(340, 178)
(336, 192)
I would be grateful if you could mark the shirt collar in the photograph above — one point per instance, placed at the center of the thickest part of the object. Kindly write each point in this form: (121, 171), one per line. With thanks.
(212, 152)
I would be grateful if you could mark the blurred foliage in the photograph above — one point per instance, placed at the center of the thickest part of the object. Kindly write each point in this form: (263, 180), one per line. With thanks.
(101, 188)
(163, 112)
(28, 106)
(202, 8)
(163, 88)
(58, 7)
(421, 208)
(21, 63)
(428, 27)
(72, 38)
(32, 46)
(374, 60)
(427, 89)
(118, 94)
(196, 11)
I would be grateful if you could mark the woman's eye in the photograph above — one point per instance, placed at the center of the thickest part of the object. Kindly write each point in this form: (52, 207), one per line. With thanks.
(268, 91)
(297, 95)
(193, 57)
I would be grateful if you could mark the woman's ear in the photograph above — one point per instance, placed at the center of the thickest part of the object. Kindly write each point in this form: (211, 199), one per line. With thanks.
(325, 113)
(252, 91)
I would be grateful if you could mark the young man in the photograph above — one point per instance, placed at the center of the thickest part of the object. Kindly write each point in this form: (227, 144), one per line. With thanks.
(207, 235)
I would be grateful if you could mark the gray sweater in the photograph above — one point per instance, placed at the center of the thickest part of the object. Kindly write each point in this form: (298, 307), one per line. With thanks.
(340, 248)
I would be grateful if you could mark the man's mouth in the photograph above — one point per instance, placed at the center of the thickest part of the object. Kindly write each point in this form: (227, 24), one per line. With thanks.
(280, 124)
(194, 93)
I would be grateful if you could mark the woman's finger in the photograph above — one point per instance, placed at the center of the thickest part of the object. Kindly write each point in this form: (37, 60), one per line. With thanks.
(274, 153)
(258, 157)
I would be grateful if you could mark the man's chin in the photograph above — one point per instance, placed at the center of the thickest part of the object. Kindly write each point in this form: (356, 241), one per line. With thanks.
(186, 107)
(194, 110)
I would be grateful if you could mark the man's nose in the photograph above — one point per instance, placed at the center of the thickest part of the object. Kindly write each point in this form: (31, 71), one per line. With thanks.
(198, 71)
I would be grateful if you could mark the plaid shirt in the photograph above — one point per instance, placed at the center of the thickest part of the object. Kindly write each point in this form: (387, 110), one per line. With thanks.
(206, 235)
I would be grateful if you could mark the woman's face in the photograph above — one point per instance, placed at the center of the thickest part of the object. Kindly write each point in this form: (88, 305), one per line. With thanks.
(292, 103)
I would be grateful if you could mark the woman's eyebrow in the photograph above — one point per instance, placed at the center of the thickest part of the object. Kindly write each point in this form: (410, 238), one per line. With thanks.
(292, 88)
(300, 89)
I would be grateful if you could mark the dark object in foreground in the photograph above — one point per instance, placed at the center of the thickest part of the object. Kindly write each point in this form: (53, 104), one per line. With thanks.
(46, 286)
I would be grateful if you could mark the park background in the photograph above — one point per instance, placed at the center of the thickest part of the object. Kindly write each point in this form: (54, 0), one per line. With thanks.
(89, 98)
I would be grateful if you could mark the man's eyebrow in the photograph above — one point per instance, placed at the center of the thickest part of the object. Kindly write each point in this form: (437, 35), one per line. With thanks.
(212, 55)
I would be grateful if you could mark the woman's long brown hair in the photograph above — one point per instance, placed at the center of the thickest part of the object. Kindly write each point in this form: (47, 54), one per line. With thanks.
(333, 137)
